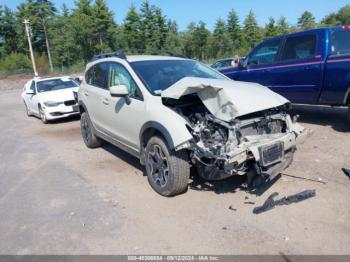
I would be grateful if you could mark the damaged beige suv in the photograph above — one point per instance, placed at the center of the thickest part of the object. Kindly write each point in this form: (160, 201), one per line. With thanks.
(173, 113)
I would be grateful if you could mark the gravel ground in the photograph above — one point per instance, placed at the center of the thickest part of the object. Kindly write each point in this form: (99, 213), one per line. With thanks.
(58, 197)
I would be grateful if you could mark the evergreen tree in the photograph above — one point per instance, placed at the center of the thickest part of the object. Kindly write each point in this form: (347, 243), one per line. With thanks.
(82, 21)
(200, 37)
(282, 26)
(148, 24)
(64, 48)
(174, 40)
(234, 30)
(189, 48)
(306, 21)
(251, 31)
(132, 29)
(271, 30)
(221, 40)
(8, 30)
(104, 27)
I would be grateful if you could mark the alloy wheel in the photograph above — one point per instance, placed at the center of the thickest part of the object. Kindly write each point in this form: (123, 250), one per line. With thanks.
(158, 165)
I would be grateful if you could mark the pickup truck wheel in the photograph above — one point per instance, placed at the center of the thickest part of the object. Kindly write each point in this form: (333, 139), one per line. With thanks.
(348, 114)
(90, 139)
(167, 170)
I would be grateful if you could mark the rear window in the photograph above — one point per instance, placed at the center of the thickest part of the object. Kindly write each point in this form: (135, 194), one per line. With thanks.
(340, 41)
(299, 47)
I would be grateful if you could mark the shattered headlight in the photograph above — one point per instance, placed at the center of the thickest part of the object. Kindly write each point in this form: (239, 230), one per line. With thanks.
(52, 103)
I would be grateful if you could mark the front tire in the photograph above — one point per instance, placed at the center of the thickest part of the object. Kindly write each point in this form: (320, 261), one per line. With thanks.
(43, 116)
(90, 139)
(167, 170)
(27, 110)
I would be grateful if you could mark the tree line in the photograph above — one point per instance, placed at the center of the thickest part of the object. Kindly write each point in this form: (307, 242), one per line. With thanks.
(73, 36)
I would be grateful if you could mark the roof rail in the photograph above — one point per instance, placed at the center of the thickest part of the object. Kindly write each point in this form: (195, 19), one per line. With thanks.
(120, 54)
(157, 52)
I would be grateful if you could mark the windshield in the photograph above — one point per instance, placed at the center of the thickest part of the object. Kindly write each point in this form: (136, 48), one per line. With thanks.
(340, 42)
(55, 84)
(160, 74)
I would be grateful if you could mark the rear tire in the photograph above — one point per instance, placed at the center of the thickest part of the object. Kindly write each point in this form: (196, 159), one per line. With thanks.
(348, 115)
(90, 139)
(167, 170)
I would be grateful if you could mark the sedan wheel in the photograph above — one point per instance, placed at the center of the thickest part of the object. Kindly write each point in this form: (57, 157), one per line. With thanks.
(43, 116)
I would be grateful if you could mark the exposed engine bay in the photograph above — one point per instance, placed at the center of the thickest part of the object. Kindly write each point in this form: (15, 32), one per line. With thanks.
(221, 149)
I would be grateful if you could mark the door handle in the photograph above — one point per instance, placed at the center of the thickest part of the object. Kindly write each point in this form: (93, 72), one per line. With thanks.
(105, 101)
(86, 93)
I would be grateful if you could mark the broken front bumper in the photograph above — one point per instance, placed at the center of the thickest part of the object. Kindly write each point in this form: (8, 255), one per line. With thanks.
(282, 146)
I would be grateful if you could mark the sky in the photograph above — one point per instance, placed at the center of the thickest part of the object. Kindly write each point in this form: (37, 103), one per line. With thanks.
(185, 11)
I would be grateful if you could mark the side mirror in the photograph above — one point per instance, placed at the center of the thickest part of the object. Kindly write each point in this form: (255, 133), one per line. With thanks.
(119, 91)
(30, 92)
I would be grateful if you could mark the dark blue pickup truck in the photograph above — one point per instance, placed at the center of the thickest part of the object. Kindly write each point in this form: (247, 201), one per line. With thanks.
(310, 67)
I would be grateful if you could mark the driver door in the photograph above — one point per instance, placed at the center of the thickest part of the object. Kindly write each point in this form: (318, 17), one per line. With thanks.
(124, 116)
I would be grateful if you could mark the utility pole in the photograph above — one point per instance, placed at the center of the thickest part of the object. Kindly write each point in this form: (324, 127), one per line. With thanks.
(28, 33)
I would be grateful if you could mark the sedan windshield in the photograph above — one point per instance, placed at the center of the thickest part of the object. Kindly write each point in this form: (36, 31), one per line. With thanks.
(55, 84)
(161, 74)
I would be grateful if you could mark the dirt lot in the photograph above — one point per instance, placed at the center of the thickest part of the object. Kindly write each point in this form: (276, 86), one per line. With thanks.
(58, 197)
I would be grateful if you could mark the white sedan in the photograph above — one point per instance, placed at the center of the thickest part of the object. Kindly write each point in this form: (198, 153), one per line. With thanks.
(50, 98)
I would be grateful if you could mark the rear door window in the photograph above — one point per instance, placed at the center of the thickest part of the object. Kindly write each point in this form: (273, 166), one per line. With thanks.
(100, 78)
(340, 42)
(299, 47)
(266, 53)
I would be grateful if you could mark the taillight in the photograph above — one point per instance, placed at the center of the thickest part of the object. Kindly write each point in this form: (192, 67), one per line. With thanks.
(346, 27)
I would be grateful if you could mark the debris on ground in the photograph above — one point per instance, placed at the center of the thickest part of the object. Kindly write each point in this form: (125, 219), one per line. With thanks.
(232, 208)
(346, 172)
(249, 203)
(224, 228)
(270, 203)
(319, 180)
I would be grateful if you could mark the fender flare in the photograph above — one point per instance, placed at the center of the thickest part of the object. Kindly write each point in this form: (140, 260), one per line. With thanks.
(160, 128)
(81, 104)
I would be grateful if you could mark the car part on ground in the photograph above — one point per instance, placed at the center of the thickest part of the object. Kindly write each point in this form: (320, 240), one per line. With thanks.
(270, 203)
(346, 172)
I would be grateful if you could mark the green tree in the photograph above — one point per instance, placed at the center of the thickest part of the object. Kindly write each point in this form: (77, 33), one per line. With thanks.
(306, 21)
(174, 40)
(8, 30)
(221, 40)
(200, 37)
(82, 22)
(271, 29)
(104, 27)
(132, 29)
(234, 30)
(344, 15)
(64, 48)
(282, 26)
(251, 31)
(148, 24)
(189, 48)
(44, 11)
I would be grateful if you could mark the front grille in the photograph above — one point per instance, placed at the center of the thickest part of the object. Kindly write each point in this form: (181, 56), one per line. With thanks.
(70, 103)
(264, 127)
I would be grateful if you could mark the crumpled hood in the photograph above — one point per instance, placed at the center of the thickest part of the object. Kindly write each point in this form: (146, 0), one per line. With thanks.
(226, 99)
(58, 95)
